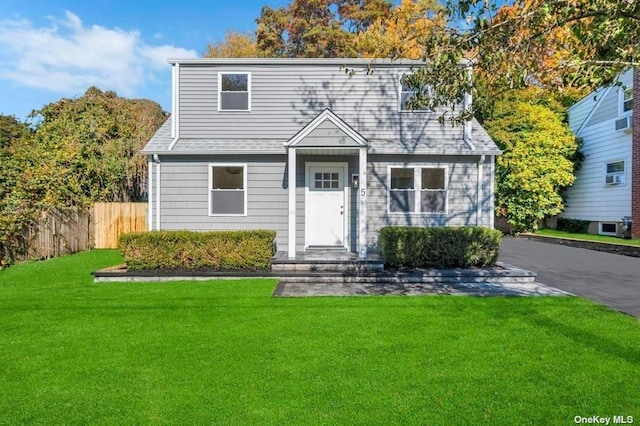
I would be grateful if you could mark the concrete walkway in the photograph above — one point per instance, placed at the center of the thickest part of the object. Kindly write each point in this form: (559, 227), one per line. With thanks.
(610, 279)
(294, 289)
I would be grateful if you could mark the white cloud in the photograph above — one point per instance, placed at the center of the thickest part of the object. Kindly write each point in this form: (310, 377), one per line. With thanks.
(67, 57)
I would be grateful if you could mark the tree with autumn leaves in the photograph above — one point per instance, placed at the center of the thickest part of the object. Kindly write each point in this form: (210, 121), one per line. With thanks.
(75, 152)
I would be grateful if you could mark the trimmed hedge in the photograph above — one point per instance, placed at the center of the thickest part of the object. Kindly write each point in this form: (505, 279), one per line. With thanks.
(411, 247)
(220, 250)
(575, 226)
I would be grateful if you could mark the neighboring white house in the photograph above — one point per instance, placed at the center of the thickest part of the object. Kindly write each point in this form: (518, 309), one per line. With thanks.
(602, 191)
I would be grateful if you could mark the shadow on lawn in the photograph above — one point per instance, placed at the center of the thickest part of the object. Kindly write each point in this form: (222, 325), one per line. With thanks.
(588, 339)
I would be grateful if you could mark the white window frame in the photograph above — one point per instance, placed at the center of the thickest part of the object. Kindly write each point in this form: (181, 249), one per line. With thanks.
(621, 98)
(623, 173)
(400, 92)
(602, 232)
(210, 189)
(417, 188)
(248, 74)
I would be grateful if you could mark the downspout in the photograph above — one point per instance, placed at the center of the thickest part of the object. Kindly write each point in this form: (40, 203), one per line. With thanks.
(479, 201)
(175, 103)
(150, 195)
(492, 191)
(156, 159)
(467, 103)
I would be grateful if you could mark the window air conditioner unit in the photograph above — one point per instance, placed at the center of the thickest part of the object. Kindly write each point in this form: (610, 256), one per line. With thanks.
(615, 179)
(624, 123)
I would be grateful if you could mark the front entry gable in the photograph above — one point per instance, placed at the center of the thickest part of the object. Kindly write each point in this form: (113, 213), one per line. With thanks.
(327, 130)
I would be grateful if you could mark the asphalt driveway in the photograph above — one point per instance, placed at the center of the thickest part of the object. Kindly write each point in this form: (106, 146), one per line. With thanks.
(610, 279)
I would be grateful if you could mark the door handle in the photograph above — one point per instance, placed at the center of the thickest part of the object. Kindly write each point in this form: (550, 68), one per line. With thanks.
(342, 210)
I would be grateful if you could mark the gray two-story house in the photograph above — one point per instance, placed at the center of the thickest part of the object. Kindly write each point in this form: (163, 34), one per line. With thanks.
(322, 156)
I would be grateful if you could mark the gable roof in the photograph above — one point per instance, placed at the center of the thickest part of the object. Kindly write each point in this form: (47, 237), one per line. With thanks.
(327, 129)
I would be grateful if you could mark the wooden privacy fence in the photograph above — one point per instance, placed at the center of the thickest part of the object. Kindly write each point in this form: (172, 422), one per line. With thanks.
(97, 227)
(56, 234)
(112, 219)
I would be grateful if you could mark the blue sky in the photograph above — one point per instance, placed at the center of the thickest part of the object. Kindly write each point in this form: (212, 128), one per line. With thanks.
(52, 49)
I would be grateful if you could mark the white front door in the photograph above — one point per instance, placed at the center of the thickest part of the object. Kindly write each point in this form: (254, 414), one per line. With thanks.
(326, 209)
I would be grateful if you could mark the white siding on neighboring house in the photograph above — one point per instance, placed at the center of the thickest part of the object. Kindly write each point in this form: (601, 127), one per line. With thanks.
(591, 198)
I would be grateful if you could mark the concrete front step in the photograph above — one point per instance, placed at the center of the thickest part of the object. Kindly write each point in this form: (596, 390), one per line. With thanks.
(326, 261)
(327, 266)
(502, 273)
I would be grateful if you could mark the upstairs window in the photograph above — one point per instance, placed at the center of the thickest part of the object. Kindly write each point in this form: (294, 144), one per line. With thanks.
(228, 191)
(406, 93)
(627, 100)
(234, 91)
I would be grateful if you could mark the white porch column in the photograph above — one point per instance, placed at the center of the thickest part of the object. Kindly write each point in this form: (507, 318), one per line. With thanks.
(150, 196)
(292, 203)
(362, 203)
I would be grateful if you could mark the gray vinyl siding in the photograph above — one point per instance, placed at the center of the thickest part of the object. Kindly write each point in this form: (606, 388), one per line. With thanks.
(327, 134)
(462, 193)
(185, 195)
(185, 192)
(284, 98)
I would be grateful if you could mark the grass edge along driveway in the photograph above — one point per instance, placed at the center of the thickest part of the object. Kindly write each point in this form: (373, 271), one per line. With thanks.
(226, 352)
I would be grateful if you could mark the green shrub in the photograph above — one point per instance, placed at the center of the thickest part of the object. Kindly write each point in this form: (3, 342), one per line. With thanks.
(402, 247)
(575, 226)
(222, 250)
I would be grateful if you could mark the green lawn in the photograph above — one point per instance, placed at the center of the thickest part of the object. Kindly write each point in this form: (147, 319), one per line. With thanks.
(587, 237)
(75, 352)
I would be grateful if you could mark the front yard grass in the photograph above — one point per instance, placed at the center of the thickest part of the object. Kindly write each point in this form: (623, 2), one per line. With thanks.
(587, 237)
(76, 352)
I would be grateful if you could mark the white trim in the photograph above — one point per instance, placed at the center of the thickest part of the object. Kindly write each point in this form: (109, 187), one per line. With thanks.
(325, 115)
(601, 232)
(248, 74)
(492, 191)
(292, 202)
(417, 187)
(621, 112)
(362, 203)
(150, 195)
(480, 193)
(157, 193)
(345, 200)
(244, 183)
(399, 94)
(623, 173)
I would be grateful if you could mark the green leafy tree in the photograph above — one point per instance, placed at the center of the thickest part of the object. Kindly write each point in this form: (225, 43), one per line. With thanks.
(538, 161)
(558, 44)
(11, 129)
(93, 143)
(80, 151)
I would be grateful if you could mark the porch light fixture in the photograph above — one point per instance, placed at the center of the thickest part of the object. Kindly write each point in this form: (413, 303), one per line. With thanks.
(355, 182)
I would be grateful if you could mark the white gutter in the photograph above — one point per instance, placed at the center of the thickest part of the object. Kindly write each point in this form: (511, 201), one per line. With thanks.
(175, 104)
(479, 201)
